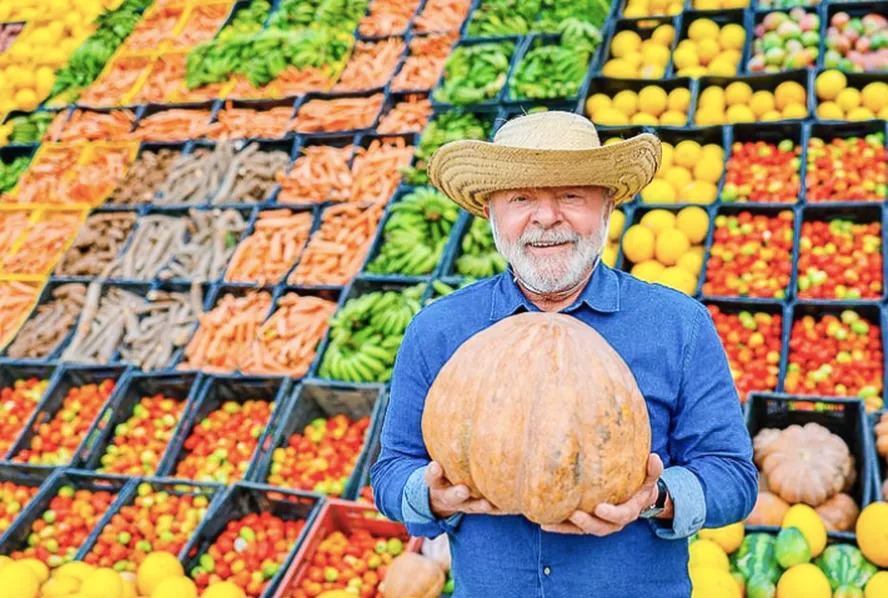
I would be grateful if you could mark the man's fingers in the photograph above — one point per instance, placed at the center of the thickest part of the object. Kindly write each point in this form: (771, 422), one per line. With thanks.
(583, 523)
(654, 468)
(619, 514)
(562, 528)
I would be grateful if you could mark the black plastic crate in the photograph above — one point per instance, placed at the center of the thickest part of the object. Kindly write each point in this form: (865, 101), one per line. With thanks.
(874, 130)
(316, 399)
(854, 10)
(771, 133)
(610, 87)
(10, 372)
(761, 82)
(645, 28)
(21, 154)
(24, 477)
(721, 18)
(844, 417)
(880, 464)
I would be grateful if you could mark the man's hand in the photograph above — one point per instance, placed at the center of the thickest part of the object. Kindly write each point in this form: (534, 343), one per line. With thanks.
(446, 499)
(608, 518)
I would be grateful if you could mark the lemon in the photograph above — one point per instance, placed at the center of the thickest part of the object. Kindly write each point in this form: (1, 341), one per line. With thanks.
(761, 102)
(658, 191)
(655, 54)
(883, 113)
(713, 151)
(712, 96)
(739, 113)
(652, 100)
(5, 560)
(694, 72)
(709, 169)
(624, 42)
(687, 153)
(671, 244)
(679, 100)
(596, 102)
(609, 256)
(635, 11)
(770, 115)
(633, 59)
(39, 568)
(707, 4)
(691, 262)
(658, 220)
(638, 243)
(707, 553)
(732, 56)
(673, 118)
(652, 71)
(679, 177)
(666, 159)
(789, 92)
(803, 581)
(663, 35)
(18, 580)
(611, 117)
(129, 585)
(728, 537)
(830, 111)
(156, 567)
(698, 192)
(225, 589)
(642, 119)
(722, 67)
(45, 79)
(693, 221)
(648, 271)
(57, 587)
(680, 280)
(710, 582)
(103, 582)
(685, 57)
(709, 116)
(626, 101)
(180, 587)
(616, 224)
(810, 524)
(703, 29)
(26, 99)
(738, 92)
(874, 96)
(795, 111)
(877, 586)
(674, 8)
(860, 113)
(829, 83)
(732, 37)
(848, 99)
(707, 50)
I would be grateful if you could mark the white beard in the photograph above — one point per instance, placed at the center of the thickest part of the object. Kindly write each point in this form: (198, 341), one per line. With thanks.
(554, 274)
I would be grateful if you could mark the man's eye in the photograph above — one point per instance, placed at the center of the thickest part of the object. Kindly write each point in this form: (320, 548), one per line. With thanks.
(518, 198)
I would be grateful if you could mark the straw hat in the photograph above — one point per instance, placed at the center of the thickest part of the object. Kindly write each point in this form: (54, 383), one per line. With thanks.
(545, 149)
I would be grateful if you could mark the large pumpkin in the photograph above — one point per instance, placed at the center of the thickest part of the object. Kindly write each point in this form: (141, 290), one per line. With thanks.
(541, 416)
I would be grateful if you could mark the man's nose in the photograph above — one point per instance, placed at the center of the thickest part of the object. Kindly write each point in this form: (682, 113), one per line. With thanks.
(546, 213)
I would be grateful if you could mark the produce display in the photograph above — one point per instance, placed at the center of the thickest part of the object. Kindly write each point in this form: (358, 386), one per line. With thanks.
(208, 207)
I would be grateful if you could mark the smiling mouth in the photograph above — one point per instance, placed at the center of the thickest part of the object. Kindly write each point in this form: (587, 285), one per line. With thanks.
(546, 245)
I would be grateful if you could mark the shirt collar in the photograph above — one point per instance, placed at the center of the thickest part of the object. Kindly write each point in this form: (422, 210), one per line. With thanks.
(602, 293)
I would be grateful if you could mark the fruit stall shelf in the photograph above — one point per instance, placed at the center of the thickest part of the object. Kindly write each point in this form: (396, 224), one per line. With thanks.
(843, 417)
(880, 468)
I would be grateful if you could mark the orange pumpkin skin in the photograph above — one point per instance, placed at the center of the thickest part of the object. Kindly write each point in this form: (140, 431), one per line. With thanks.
(411, 575)
(769, 510)
(541, 416)
(839, 513)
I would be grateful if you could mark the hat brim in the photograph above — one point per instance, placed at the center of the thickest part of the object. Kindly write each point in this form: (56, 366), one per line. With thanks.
(467, 171)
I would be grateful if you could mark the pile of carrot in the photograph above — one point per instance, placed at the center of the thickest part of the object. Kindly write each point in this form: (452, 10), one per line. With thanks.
(225, 332)
(241, 123)
(92, 126)
(425, 63)
(320, 174)
(109, 89)
(16, 301)
(338, 249)
(277, 242)
(388, 17)
(92, 182)
(166, 83)
(286, 343)
(371, 65)
(12, 224)
(338, 114)
(377, 169)
(439, 16)
(43, 244)
(203, 23)
(176, 124)
(294, 81)
(154, 29)
(407, 116)
(39, 184)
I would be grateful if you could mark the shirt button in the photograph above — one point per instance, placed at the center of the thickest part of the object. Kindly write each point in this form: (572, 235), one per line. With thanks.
(547, 570)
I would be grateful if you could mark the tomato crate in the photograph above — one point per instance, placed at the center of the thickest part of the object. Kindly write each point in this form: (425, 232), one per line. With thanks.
(151, 515)
(343, 517)
(764, 160)
(35, 532)
(862, 227)
(65, 423)
(880, 465)
(222, 402)
(240, 518)
(105, 455)
(23, 387)
(840, 179)
(315, 406)
(19, 485)
(844, 418)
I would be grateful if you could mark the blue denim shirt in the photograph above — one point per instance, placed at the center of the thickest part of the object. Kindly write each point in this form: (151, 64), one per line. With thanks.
(670, 343)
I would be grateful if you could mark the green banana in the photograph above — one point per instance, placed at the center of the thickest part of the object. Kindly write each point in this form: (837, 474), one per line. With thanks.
(443, 128)
(480, 257)
(475, 73)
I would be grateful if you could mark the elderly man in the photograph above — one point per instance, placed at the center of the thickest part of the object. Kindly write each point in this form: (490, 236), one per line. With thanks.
(548, 186)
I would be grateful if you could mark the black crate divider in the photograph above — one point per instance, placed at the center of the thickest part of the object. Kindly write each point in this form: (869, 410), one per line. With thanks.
(242, 499)
(316, 398)
(181, 386)
(215, 391)
(68, 377)
(843, 417)
(880, 463)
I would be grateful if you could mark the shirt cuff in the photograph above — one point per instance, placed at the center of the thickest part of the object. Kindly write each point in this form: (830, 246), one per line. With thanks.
(688, 505)
(415, 505)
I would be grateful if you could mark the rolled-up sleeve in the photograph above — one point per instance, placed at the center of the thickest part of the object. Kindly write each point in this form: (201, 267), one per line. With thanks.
(399, 489)
(709, 441)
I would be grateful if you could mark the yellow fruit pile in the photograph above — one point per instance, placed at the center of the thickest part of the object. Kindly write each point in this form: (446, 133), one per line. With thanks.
(652, 8)
(649, 106)
(838, 101)
(689, 173)
(738, 103)
(614, 231)
(709, 50)
(708, 563)
(719, 4)
(667, 247)
(632, 57)
(159, 576)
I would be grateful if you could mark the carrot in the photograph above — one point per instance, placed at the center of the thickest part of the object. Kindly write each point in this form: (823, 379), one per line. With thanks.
(425, 63)
(43, 245)
(442, 16)
(377, 169)
(93, 182)
(97, 126)
(276, 244)
(287, 342)
(176, 124)
(337, 250)
(11, 226)
(16, 301)
(388, 17)
(166, 83)
(339, 114)
(109, 88)
(39, 184)
(408, 116)
(203, 23)
(154, 29)
(371, 65)
(239, 123)
(294, 81)
(320, 174)
(225, 332)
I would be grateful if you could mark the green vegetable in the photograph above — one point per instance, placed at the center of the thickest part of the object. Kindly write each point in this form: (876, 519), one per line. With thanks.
(10, 173)
(475, 73)
(480, 257)
(248, 20)
(503, 17)
(757, 557)
(791, 548)
(30, 128)
(445, 127)
(759, 586)
(554, 12)
(844, 564)
(343, 15)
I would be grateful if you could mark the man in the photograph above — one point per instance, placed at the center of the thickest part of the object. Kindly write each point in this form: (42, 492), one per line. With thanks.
(548, 187)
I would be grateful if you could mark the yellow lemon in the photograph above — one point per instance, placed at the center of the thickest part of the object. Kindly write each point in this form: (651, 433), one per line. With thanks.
(596, 102)
(693, 222)
(693, 72)
(707, 50)
(732, 37)
(180, 587)
(732, 56)
(680, 280)
(129, 585)
(874, 96)
(711, 582)
(709, 169)
(803, 581)
(687, 153)
(671, 244)
(658, 220)
(706, 553)
(860, 113)
(648, 271)
(103, 582)
(698, 192)
(624, 42)
(707, 4)
(652, 100)
(663, 35)
(728, 537)
(45, 79)
(709, 116)
(761, 102)
(679, 177)
(830, 111)
(642, 118)
(26, 99)
(666, 159)
(658, 191)
(712, 96)
(721, 67)
(810, 524)
(5, 560)
(848, 99)
(795, 111)
(883, 113)
(829, 83)
(18, 580)
(739, 113)
(770, 115)
(611, 117)
(789, 92)
(635, 11)
(156, 567)
(626, 101)
(651, 71)
(738, 92)
(872, 533)
(618, 69)
(638, 243)
(609, 255)
(673, 118)
(679, 100)
(633, 59)
(225, 589)
(76, 569)
(57, 587)
(616, 224)
(39, 568)
(685, 57)
(691, 262)
(655, 54)
(703, 29)
(674, 8)
(877, 586)
(713, 151)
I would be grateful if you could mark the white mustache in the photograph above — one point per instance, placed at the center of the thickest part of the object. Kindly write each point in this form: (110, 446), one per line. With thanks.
(543, 236)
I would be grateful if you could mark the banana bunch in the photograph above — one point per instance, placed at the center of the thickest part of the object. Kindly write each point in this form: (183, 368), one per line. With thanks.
(443, 128)
(415, 234)
(366, 333)
(475, 73)
(479, 258)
